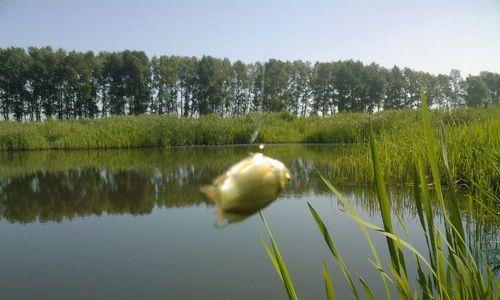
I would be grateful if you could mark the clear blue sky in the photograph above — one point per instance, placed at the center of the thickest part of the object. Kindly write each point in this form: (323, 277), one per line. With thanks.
(432, 36)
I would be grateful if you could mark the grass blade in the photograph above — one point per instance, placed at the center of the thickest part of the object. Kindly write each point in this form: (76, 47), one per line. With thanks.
(368, 291)
(351, 210)
(285, 275)
(385, 207)
(428, 212)
(336, 254)
(330, 292)
(271, 256)
(418, 198)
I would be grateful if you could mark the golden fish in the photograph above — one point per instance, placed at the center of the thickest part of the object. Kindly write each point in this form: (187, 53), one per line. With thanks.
(247, 187)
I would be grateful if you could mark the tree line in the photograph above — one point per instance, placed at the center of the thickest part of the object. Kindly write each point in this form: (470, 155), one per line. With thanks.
(42, 82)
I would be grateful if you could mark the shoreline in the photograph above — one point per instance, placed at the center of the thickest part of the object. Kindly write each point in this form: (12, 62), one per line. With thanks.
(155, 131)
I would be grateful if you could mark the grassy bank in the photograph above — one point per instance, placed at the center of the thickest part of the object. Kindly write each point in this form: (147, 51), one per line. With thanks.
(451, 267)
(472, 146)
(472, 137)
(161, 131)
(146, 131)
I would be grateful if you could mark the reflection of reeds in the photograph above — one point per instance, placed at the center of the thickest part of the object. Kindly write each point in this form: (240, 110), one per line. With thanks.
(53, 185)
(451, 269)
(127, 182)
(472, 138)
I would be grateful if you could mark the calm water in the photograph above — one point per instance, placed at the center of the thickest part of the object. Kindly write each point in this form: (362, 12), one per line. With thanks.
(131, 224)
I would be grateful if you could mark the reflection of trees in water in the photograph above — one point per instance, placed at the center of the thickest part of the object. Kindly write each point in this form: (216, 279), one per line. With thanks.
(52, 186)
(53, 196)
(48, 196)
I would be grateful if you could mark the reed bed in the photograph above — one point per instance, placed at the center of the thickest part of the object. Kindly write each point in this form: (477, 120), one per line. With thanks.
(472, 137)
(451, 268)
(163, 131)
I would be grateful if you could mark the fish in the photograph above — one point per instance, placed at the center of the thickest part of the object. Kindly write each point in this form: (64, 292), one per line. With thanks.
(247, 187)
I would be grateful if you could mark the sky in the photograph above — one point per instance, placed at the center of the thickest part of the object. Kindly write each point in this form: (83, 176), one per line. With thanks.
(433, 36)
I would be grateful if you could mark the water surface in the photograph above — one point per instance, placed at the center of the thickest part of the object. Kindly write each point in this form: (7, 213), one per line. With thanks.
(131, 224)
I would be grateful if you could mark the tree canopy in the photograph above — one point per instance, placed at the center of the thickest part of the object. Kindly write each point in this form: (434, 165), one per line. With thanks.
(38, 83)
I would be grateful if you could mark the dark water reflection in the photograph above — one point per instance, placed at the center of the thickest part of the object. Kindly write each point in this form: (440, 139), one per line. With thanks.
(51, 186)
(128, 224)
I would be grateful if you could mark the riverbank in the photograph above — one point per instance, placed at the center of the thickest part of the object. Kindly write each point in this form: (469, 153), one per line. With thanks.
(472, 138)
(145, 131)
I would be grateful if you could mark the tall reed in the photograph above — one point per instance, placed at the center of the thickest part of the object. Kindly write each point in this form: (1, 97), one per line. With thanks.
(449, 270)
(472, 137)
(163, 131)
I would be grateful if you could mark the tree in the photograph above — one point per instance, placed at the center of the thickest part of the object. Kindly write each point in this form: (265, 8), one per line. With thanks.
(322, 88)
(276, 80)
(80, 97)
(211, 91)
(429, 83)
(226, 72)
(374, 87)
(136, 72)
(348, 85)
(113, 81)
(443, 91)
(477, 92)
(411, 88)
(395, 89)
(492, 80)
(300, 85)
(187, 84)
(14, 96)
(165, 71)
(47, 78)
(457, 89)
(239, 88)
(256, 74)
(45, 83)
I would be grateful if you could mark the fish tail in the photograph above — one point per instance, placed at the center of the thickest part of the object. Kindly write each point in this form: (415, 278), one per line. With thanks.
(219, 217)
(211, 192)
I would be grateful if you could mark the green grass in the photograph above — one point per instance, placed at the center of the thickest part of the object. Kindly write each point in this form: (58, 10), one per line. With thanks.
(449, 269)
(472, 137)
(162, 131)
(472, 153)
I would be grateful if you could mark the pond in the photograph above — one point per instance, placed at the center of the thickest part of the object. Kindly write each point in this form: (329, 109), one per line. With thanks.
(132, 224)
